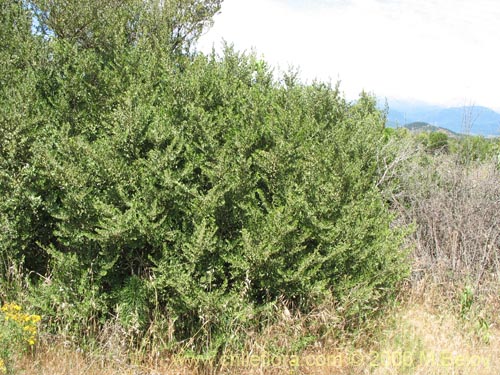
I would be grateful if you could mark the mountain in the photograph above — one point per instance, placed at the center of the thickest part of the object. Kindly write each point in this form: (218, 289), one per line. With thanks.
(418, 127)
(473, 120)
(468, 119)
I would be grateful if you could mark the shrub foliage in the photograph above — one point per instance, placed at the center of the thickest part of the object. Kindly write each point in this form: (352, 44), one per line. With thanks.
(138, 179)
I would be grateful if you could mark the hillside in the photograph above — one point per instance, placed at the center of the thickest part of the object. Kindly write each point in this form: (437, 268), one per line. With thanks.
(475, 120)
(419, 127)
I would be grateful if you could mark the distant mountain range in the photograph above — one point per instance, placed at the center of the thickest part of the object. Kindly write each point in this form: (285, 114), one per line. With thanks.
(475, 120)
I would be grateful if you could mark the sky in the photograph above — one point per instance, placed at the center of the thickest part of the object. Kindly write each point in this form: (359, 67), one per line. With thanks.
(442, 52)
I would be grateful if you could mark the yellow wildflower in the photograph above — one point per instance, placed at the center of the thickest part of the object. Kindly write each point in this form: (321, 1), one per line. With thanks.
(27, 322)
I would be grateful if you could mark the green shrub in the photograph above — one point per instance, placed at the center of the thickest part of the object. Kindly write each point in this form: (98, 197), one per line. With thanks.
(476, 149)
(200, 187)
(437, 141)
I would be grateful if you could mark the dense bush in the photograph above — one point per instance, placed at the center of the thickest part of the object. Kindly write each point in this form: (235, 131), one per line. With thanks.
(198, 187)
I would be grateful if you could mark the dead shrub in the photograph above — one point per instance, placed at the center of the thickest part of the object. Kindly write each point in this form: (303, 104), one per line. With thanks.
(456, 212)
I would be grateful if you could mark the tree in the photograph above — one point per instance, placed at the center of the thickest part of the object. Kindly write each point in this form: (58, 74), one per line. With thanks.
(174, 24)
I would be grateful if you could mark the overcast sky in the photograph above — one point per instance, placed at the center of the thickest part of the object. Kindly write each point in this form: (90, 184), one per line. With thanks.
(437, 51)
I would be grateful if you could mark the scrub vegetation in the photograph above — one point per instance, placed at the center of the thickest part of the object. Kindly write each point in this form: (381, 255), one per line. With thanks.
(165, 211)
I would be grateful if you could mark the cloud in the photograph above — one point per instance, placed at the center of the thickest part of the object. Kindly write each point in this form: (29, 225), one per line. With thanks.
(432, 50)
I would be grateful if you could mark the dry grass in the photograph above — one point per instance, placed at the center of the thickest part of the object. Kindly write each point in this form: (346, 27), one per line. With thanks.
(425, 334)
(431, 329)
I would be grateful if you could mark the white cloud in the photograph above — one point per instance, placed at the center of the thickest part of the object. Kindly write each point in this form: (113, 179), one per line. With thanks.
(439, 51)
